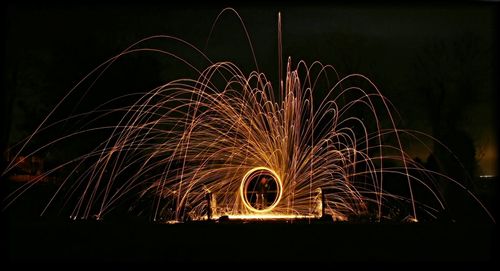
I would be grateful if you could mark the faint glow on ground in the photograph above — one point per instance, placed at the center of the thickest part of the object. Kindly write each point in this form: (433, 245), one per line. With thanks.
(487, 176)
(252, 217)
(268, 216)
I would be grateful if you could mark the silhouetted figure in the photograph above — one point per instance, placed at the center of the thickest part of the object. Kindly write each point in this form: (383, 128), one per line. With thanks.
(431, 163)
(208, 198)
(261, 196)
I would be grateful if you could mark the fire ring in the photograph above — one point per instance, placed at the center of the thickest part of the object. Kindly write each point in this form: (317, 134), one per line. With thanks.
(261, 189)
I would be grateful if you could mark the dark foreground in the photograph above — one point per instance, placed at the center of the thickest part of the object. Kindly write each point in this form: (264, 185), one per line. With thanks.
(88, 241)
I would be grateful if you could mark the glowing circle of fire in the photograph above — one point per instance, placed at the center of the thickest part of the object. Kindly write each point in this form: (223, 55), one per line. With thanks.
(260, 183)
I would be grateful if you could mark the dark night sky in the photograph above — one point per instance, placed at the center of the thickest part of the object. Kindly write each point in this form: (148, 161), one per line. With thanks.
(49, 48)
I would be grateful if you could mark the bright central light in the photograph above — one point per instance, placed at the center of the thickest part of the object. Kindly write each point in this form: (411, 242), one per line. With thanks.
(268, 217)
(261, 189)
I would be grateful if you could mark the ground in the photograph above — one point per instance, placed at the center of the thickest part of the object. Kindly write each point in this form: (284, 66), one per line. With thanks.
(139, 242)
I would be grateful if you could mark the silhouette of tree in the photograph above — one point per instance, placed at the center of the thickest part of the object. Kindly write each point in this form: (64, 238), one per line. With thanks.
(449, 77)
(450, 74)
